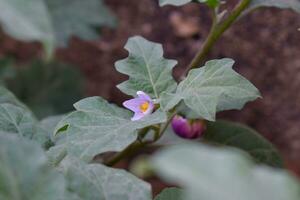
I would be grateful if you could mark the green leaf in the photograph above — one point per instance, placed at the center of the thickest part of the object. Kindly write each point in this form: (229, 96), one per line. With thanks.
(210, 173)
(26, 20)
(214, 87)
(49, 124)
(79, 18)
(96, 181)
(170, 194)
(24, 172)
(231, 134)
(19, 121)
(212, 3)
(56, 90)
(53, 22)
(98, 127)
(245, 138)
(284, 4)
(148, 71)
(8, 97)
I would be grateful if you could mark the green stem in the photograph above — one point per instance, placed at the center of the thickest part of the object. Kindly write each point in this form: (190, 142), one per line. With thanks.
(216, 31)
(165, 126)
(125, 153)
(134, 147)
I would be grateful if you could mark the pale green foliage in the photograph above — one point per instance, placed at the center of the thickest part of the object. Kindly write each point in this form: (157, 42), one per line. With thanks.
(16, 118)
(7, 97)
(95, 181)
(214, 87)
(79, 18)
(289, 4)
(52, 22)
(209, 173)
(211, 3)
(56, 90)
(170, 194)
(26, 20)
(233, 135)
(242, 137)
(98, 127)
(24, 172)
(148, 71)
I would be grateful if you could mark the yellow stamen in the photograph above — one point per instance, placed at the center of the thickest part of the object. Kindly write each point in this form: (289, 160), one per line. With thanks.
(144, 106)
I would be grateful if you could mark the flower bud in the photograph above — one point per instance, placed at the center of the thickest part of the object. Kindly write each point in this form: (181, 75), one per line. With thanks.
(189, 129)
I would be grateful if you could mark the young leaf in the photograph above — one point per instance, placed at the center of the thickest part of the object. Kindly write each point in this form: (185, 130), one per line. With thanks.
(214, 87)
(288, 4)
(79, 18)
(24, 172)
(170, 194)
(205, 173)
(245, 138)
(148, 71)
(95, 181)
(98, 127)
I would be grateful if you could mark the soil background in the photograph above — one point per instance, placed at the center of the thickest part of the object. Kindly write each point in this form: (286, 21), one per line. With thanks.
(265, 45)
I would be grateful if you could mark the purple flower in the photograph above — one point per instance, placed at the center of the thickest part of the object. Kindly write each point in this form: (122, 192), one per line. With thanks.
(142, 105)
(189, 129)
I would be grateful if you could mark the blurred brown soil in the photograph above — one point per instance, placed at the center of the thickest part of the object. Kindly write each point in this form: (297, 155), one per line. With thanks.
(265, 45)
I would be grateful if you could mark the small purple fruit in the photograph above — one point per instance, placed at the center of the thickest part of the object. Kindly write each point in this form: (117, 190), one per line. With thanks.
(189, 129)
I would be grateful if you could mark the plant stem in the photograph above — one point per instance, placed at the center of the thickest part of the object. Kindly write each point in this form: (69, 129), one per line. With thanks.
(125, 153)
(140, 144)
(216, 31)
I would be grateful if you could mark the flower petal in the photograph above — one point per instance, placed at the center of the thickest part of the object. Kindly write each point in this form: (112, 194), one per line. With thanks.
(137, 116)
(144, 96)
(133, 104)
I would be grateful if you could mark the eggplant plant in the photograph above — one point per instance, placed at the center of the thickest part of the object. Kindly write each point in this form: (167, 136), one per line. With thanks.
(74, 156)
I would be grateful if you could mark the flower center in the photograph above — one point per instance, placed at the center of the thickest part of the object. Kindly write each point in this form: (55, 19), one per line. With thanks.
(144, 106)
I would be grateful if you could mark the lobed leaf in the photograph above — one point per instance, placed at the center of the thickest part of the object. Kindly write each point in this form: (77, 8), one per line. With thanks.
(53, 22)
(8, 97)
(214, 87)
(26, 20)
(148, 71)
(16, 118)
(96, 181)
(98, 127)
(231, 134)
(242, 137)
(205, 172)
(25, 173)
(283, 4)
(79, 18)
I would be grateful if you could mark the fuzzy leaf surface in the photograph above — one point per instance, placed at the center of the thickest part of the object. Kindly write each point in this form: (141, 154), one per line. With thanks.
(96, 181)
(214, 87)
(98, 126)
(204, 172)
(147, 69)
(25, 173)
